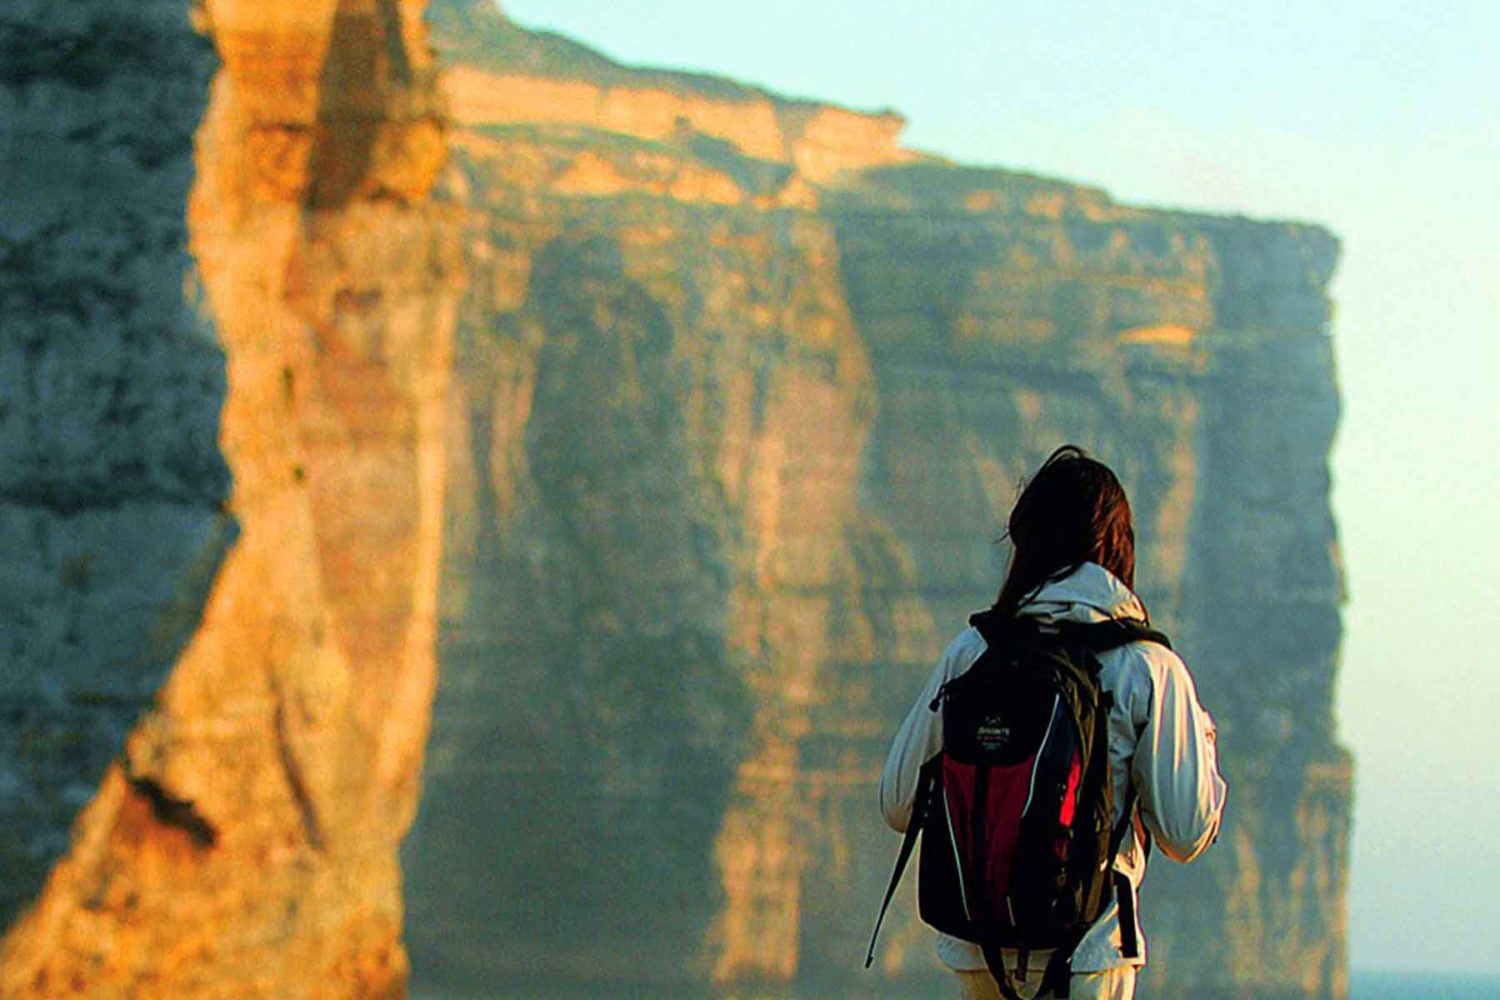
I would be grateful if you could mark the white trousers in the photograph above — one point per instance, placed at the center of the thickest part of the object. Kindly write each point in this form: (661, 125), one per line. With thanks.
(1116, 984)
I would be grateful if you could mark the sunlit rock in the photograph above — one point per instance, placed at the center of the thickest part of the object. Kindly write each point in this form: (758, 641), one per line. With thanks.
(266, 646)
(726, 467)
(671, 421)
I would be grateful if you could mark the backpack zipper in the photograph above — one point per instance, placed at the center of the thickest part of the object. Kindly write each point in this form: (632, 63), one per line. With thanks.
(1031, 786)
(958, 863)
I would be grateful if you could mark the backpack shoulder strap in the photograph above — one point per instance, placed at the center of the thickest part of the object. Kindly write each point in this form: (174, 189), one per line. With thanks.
(1100, 636)
(993, 627)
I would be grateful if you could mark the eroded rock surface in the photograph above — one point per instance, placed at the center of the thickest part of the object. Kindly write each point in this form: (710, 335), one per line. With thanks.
(685, 492)
(242, 840)
(734, 430)
(111, 481)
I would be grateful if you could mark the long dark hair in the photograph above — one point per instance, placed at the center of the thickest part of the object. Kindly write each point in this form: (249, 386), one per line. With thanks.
(1071, 512)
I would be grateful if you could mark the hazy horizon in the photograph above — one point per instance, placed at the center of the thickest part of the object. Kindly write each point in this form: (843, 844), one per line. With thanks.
(1374, 128)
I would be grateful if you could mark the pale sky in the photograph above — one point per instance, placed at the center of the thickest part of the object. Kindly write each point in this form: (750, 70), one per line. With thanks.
(1380, 120)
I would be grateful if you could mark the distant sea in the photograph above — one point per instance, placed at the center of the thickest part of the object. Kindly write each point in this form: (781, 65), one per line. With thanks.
(1370, 985)
(1364, 984)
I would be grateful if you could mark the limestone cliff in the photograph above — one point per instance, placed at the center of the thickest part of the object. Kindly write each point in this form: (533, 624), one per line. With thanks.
(111, 481)
(734, 426)
(242, 838)
(684, 490)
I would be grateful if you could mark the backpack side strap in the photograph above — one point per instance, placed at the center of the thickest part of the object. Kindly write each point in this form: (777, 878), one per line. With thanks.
(926, 783)
(1124, 893)
(994, 957)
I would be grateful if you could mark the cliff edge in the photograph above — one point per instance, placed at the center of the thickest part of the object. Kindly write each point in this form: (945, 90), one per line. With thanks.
(668, 421)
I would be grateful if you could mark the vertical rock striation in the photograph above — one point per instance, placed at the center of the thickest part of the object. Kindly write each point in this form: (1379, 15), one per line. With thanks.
(242, 842)
(1264, 586)
(1193, 354)
(734, 426)
(685, 490)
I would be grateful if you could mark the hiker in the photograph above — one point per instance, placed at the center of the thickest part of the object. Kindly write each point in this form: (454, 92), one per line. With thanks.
(1072, 572)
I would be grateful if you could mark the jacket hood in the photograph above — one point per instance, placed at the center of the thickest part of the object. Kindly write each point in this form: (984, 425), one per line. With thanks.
(1090, 593)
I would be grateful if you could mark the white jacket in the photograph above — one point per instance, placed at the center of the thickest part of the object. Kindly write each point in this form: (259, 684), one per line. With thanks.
(1160, 740)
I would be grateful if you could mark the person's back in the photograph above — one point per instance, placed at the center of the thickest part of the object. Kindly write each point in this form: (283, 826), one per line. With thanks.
(1074, 562)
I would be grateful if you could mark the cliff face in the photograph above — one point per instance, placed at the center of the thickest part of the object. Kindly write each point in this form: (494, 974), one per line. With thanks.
(111, 481)
(733, 429)
(1192, 354)
(684, 490)
(242, 838)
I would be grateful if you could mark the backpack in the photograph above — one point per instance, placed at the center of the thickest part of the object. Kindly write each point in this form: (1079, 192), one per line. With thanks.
(1017, 806)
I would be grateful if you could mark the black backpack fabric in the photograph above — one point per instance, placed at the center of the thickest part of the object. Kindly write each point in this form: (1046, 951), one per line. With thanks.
(1017, 807)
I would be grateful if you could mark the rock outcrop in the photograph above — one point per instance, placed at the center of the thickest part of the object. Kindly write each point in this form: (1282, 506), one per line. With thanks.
(734, 430)
(112, 487)
(683, 491)
(242, 838)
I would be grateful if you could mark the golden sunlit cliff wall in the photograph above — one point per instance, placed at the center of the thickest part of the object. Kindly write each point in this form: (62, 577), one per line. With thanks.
(733, 431)
(242, 838)
(685, 489)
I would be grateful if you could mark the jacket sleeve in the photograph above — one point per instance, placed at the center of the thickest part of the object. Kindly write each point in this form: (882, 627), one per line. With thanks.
(1176, 767)
(920, 736)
